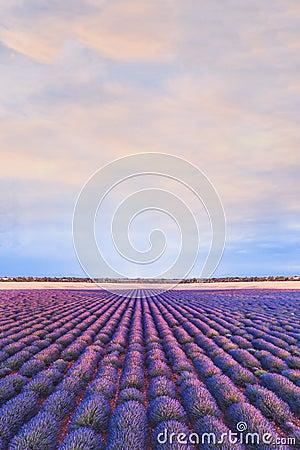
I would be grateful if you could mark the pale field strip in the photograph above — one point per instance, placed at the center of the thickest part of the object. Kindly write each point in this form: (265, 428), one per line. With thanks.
(295, 285)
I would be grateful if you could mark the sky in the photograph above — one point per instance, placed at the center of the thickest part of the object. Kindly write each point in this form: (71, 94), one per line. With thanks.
(85, 82)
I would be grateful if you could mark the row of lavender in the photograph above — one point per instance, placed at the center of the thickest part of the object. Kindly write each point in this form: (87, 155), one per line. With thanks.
(94, 370)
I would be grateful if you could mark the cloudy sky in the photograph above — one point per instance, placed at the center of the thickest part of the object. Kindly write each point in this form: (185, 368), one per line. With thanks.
(84, 82)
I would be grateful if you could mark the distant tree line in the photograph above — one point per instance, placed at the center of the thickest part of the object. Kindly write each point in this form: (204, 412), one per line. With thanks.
(145, 280)
(242, 279)
(52, 279)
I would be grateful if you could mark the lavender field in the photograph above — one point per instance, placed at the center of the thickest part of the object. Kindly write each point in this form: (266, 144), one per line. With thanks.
(92, 370)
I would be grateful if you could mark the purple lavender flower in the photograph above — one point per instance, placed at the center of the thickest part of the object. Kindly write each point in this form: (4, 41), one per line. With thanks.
(102, 386)
(59, 403)
(293, 362)
(159, 368)
(293, 375)
(241, 376)
(93, 413)
(128, 428)
(16, 412)
(128, 394)
(205, 367)
(10, 386)
(224, 391)
(244, 358)
(269, 404)
(39, 433)
(224, 361)
(165, 408)
(255, 422)
(82, 439)
(198, 403)
(284, 388)
(211, 432)
(161, 386)
(273, 363)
